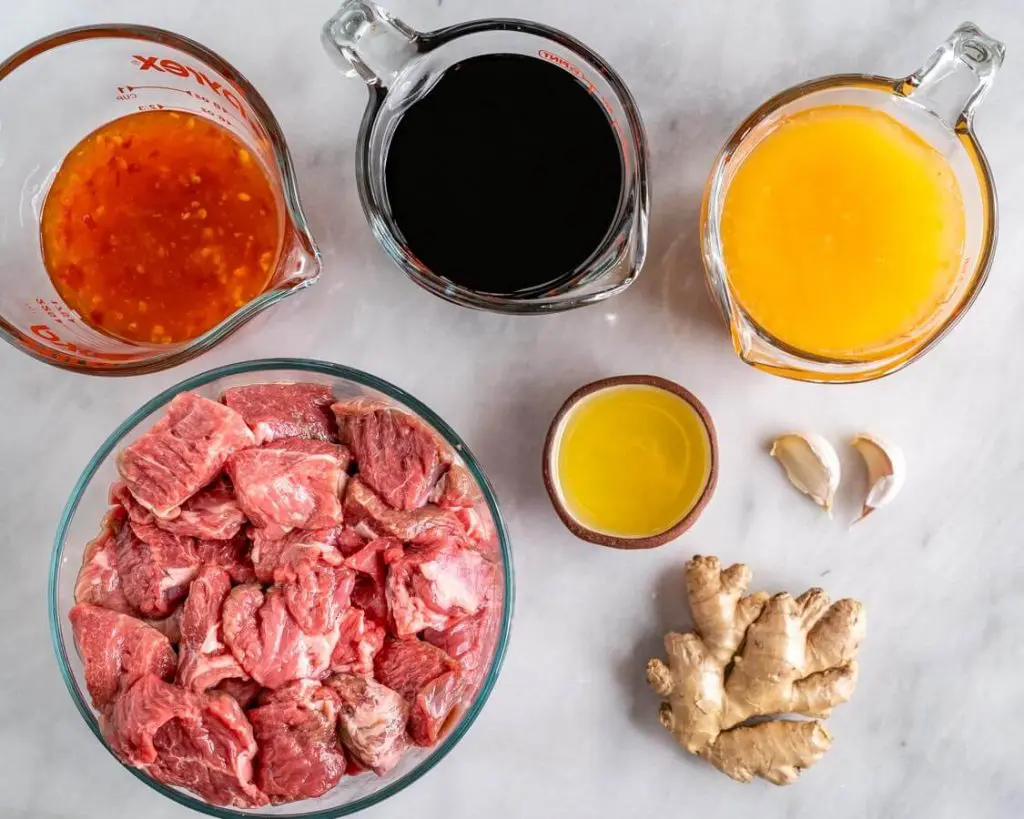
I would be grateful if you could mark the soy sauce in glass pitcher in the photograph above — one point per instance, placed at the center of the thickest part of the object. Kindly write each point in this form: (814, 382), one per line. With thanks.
(506, 176)
(501, 163)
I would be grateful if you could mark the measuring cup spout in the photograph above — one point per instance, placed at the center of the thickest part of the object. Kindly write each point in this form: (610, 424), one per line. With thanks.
(365, 40)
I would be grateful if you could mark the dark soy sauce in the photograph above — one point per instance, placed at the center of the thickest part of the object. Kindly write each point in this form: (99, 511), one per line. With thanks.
(506, 176)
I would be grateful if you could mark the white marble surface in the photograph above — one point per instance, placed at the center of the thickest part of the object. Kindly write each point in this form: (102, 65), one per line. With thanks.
(937, 724)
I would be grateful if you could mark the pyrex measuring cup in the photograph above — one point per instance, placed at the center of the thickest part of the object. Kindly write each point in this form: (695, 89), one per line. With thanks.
(401, 65)
(937, 102)
(59, 89)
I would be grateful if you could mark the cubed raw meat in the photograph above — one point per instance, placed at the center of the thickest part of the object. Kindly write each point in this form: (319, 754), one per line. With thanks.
(399, 456)
(169, 626)
(202, 742)
(120, 496)
(456, 488)
(370, 596)
(427, 678)
(204, 661)
(300, 753)
(370, 559)
(435, 708)
(230, 555)
(275, 411)
(421, 526)
(369, 593)
(350, 541)
(470, 641)
(318, 596)
(436, 586)
(244, 691)
(458, 491)
(212, 513)
(371, 721)
(359, 640)
(290, 484)
(276, 559)
(117, 650)
(408, 664)
(99, 582)
(269, 644)
(155, 567)
(182, 452)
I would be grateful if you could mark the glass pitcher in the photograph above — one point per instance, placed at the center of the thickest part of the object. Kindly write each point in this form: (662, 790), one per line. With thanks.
(400, 65)
(59, 89)
(937, 102)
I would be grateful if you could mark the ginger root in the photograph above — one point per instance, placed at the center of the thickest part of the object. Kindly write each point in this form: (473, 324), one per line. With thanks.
(755, 656)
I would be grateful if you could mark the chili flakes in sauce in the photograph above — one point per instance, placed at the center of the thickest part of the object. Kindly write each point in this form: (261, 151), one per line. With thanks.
(159, 225)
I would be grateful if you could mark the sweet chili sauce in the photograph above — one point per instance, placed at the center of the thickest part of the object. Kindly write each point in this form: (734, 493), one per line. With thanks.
(158, 225)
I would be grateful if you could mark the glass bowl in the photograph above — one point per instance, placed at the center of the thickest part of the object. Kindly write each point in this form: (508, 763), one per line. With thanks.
(81, 520)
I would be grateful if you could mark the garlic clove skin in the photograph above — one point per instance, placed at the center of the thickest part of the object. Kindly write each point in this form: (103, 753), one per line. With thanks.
(887, 471)
(811, 464)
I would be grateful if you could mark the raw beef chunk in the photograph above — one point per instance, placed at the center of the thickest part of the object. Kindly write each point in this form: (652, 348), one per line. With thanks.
(359, 640)
(230, 555)
(182, 452)
(370, 559)
(202, 742)
(371, 721)
(266, 640)
(291, 483)
(436, 586)
(169, 626)
(300, 754)
(422, 526)
(99, 582)
(370, 596)
(427, 678)
(155, 567)
(318, 596)
(456, 488)
(457, 491)
(120, 496)
(204, 660)
(399, 456)
(470, 641)
(275, 411)
(117, 650)
(435, 707)
(244, 692)
(369, 593)
(276, 559)
(350, 541)
(210, 514)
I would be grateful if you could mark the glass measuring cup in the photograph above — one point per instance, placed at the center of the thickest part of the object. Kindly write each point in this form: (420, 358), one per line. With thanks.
(937, 102)
(400, 65)
(59, 89)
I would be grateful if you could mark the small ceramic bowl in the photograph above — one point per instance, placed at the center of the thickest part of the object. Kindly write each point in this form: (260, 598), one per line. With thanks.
(550, 468)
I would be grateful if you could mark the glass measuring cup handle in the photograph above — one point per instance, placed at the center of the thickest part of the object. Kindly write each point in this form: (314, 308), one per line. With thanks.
(955, 79)
(366, 41)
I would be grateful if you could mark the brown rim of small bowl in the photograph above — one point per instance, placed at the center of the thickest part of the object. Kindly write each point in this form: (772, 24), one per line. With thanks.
(614, 541)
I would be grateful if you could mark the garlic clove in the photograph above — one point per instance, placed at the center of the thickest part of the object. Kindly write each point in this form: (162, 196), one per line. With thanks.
(886, 467)
(811, 464)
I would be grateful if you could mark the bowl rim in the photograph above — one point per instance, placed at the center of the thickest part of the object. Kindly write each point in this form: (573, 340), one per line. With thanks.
(323, 368)
(549, 471)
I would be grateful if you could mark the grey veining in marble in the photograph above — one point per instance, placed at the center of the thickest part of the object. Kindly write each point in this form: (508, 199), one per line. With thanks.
(937, 726)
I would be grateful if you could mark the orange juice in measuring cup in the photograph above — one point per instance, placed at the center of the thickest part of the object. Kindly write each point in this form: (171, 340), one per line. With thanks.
(850, 221)
(148, 205)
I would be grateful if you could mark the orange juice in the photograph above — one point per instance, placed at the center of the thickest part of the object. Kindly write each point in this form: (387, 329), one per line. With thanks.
(842, 232)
